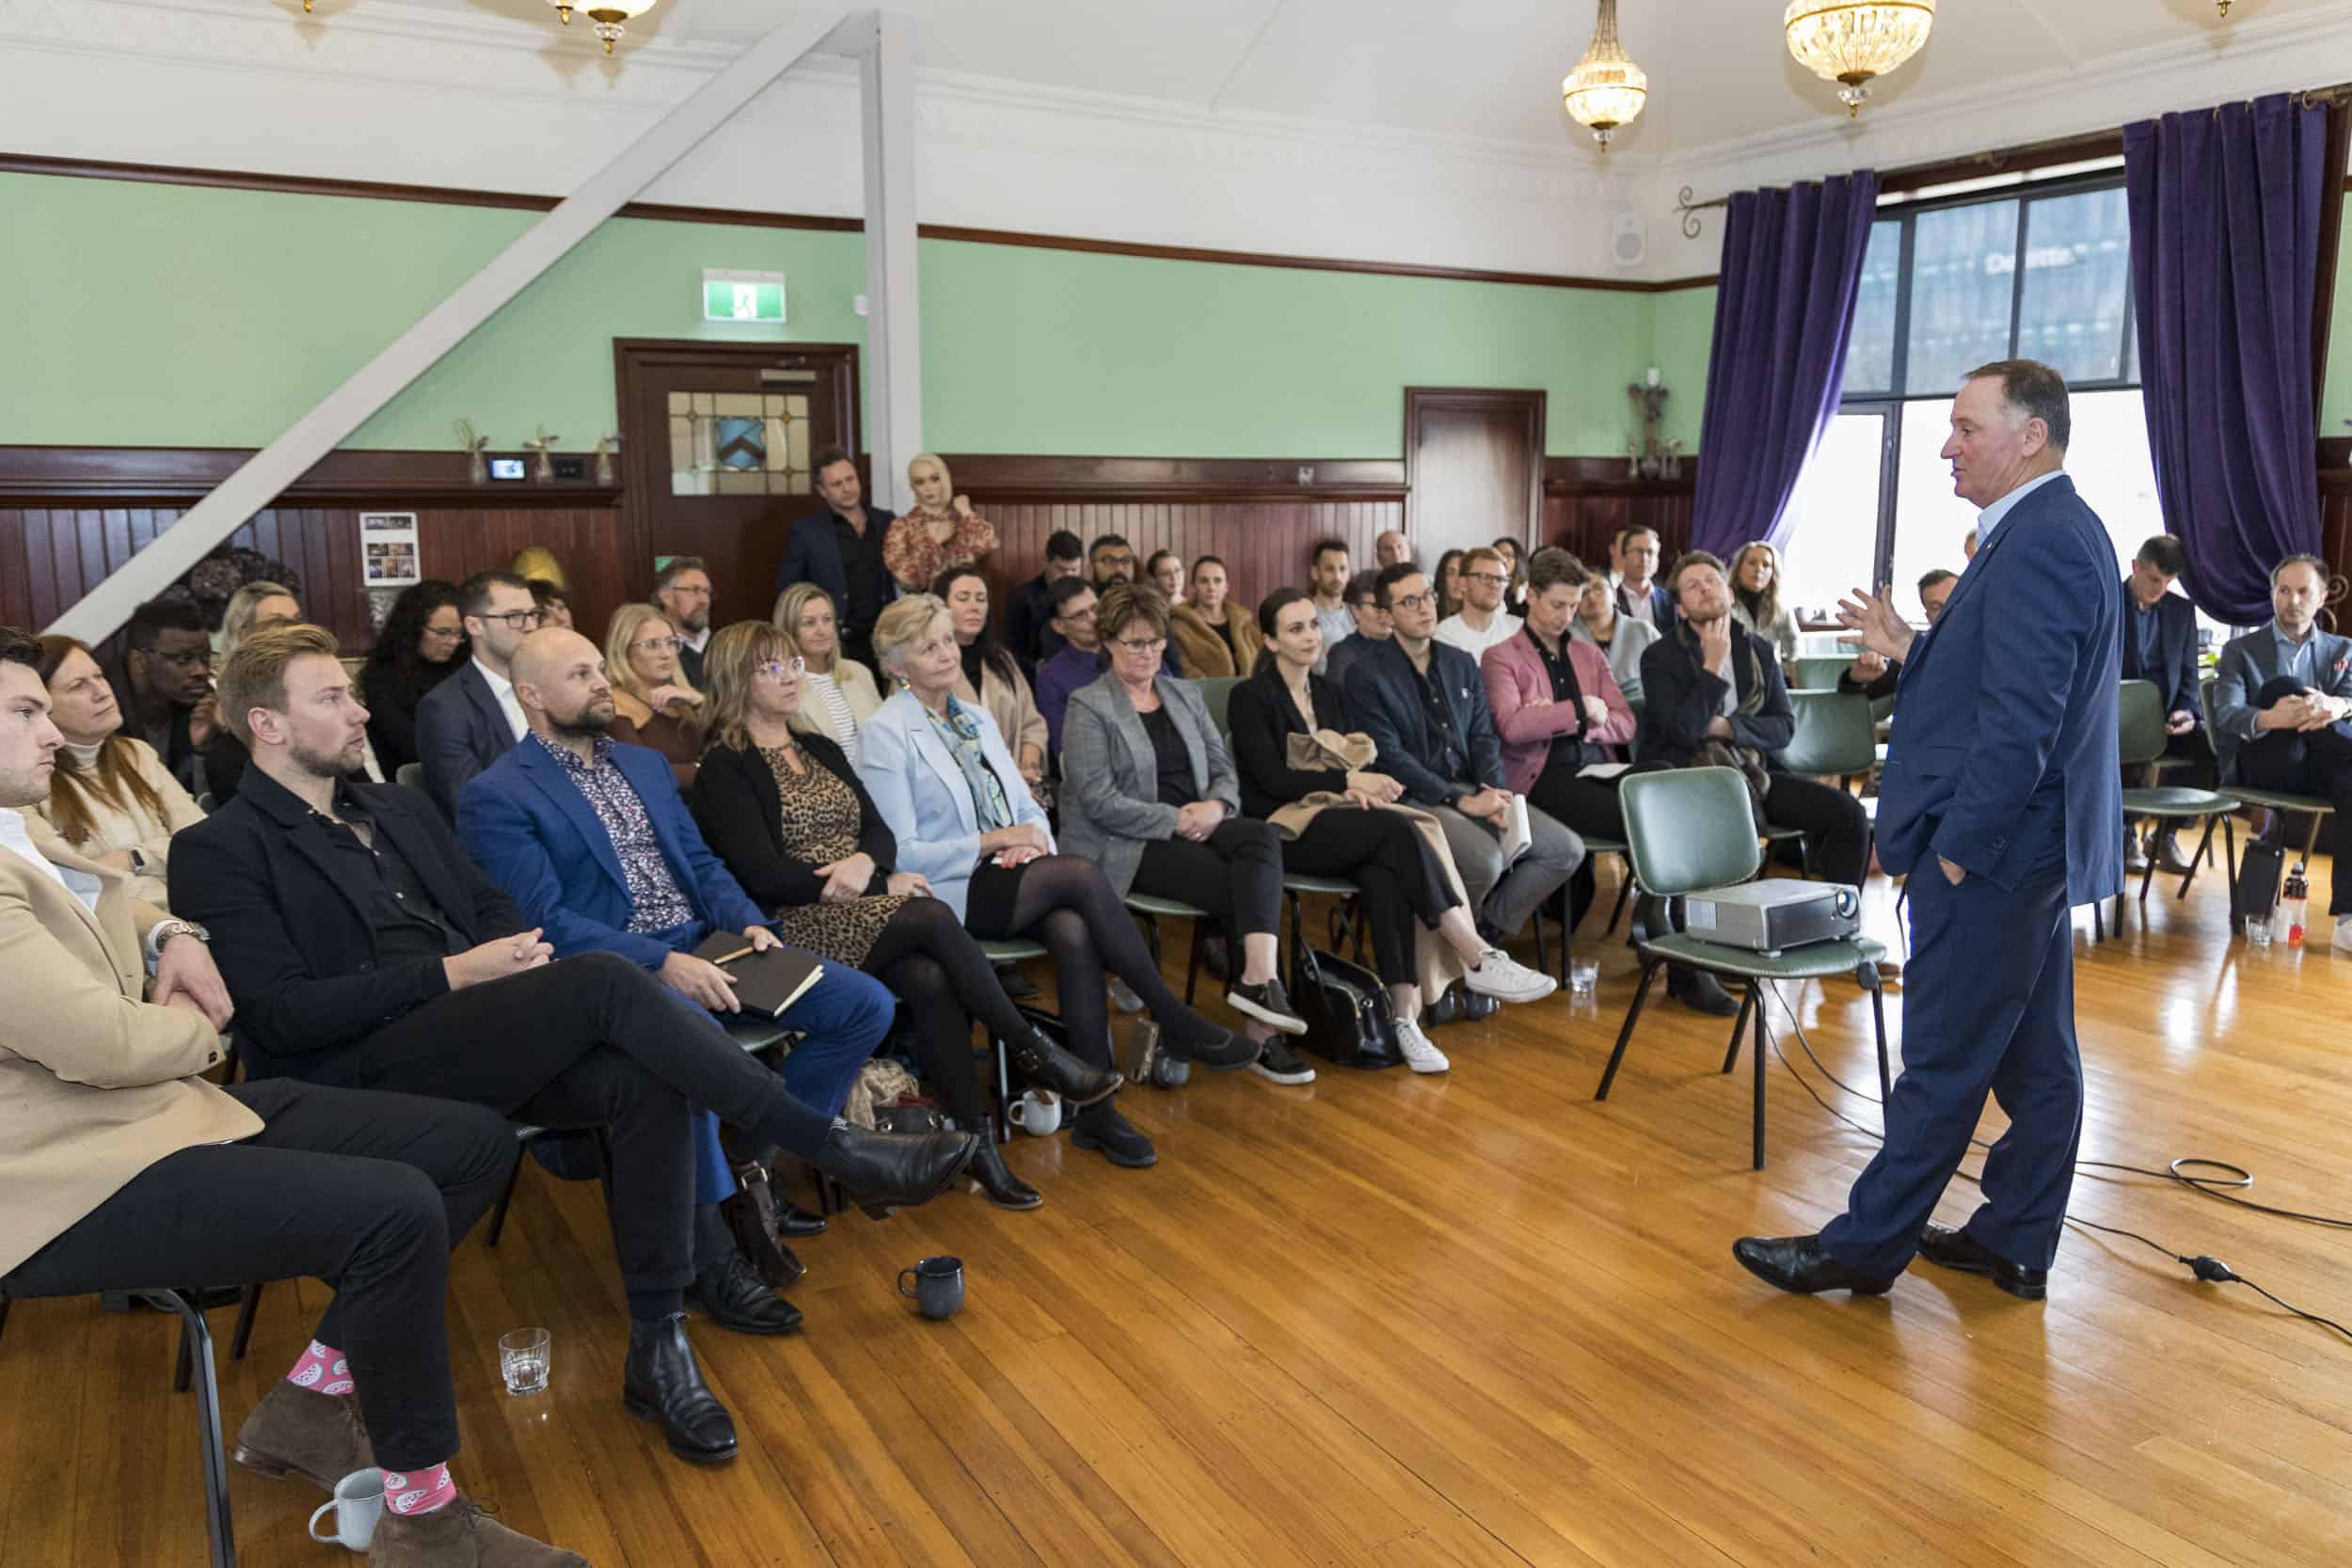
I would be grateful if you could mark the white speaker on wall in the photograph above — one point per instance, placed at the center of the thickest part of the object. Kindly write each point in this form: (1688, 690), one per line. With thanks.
(1628, 237)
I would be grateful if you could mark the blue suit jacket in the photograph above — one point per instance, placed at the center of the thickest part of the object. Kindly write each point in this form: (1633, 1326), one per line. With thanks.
(526, 823)
(1384, 693)
(1662, 609)
(921, 793)
(460, 731)
(811, 554)
(2004, 745)
(2176, 670)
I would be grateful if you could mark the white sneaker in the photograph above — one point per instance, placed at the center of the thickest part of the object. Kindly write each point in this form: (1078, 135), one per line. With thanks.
(2342, 940)
(1123, 996)
(1420, 1055)
(1506, 979)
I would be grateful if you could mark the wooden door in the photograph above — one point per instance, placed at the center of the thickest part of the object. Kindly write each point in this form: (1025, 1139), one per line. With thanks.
(715, 446)
(1473, 468)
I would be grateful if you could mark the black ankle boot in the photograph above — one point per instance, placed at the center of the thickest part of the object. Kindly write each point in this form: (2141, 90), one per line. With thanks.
(1047, 1065)
(661, 1383)
(886, 1170)
(988, 1168)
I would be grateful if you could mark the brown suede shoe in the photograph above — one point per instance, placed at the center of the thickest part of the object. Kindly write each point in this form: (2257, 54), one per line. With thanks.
(294, 1431)
(460, 1536)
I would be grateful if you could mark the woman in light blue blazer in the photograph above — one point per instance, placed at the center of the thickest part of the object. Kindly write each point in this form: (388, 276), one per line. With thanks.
(942, 778)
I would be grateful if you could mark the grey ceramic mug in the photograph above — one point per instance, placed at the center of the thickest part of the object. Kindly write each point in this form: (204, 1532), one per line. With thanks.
(938, 1291)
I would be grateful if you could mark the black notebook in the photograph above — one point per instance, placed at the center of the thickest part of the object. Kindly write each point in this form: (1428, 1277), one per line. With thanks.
(764, 982)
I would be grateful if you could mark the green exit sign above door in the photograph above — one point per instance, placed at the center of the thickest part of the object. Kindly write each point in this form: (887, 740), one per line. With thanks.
(743, 296)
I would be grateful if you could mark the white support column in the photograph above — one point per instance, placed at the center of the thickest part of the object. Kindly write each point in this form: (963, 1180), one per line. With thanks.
(270, 471)
(894, 328)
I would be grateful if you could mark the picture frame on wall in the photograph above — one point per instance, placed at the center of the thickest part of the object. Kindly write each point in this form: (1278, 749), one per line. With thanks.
(389, 554)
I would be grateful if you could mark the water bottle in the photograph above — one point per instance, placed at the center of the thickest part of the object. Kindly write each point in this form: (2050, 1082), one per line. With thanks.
(2292, 906)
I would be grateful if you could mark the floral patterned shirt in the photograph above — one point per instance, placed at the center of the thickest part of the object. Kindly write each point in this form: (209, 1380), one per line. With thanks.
(656, 902)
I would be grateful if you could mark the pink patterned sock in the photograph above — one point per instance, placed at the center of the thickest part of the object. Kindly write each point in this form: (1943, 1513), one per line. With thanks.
(419, 1490)
(323, 1371)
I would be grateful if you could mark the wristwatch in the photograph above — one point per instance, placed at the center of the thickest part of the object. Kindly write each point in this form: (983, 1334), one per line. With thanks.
(172, 929)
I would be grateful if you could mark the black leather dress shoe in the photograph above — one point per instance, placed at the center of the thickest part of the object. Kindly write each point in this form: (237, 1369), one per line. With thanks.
(1801, 1264)
(1700, 992)
(1049, 1066)
(661, 1383)
(884, 1170)
(1956, 1249)
(798, 1222)
(734, 1296)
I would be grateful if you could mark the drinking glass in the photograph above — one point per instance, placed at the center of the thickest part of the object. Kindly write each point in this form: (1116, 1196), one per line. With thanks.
(2258, 930)
(1583, 979)
(523, 1360)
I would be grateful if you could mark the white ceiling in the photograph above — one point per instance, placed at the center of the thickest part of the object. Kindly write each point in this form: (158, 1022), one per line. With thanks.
(1718, 71)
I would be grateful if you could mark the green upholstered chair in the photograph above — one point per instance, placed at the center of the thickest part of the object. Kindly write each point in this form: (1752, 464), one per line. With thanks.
(2140, 744)
(1817, 672)
(1155, 909)
(1836, 735)
(1690, 831)
(1217, 694)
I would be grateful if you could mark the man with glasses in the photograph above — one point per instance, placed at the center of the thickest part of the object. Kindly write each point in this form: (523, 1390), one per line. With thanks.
(472, 719)
(164, 685)
(1080, 659)
(682, 589)
(1110, 560)
(1482, 620)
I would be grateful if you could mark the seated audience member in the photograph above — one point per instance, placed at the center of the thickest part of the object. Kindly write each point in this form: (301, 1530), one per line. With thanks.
(1149, 795)
(786, 815)
(1371, 624)
(940, 531)
(1716, 697)
(363, 949)
(2283, 712)
(555, 605)
(1391, 547)
(1164, 570)
(1755, 583)
(1424, 706)
(1110, 560)
(472, 719)
(1876, 678)
(1337, 824)
(164, 685)
(1482, 621)
(1213, 630)
(1328, 570)
(949, 795)
(125, 1166)
(423, 645)
(839, 548)
(1079, 662)
(837, 694)
(682, 590)
(1640, 596)
(2160, 645)
(654, 705)
(1448, 585)
(110, 798)
(1621, 639)
(253, 606)
(1968, 546)
(1515, 562)
(991, 681)
(1557, 711)
(1029, 610)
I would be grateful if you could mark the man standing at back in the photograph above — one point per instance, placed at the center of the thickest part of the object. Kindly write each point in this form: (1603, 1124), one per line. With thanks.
(2000, 799)
(472, 719)
(839, 548)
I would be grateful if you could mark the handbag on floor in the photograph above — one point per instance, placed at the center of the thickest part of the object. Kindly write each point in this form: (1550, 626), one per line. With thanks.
(1350, 1021)
(2259, 870)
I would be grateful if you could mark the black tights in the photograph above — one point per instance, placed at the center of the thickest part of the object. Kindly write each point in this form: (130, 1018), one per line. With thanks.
(928, 958)
(1065, 904)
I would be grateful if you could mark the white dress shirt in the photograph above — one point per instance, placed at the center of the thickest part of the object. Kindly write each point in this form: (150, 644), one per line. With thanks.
(510, 704)
(16, 837)
(1990, 518)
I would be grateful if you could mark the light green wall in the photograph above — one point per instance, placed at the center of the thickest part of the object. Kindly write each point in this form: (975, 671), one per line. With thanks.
(2335, 402)
(158, 315)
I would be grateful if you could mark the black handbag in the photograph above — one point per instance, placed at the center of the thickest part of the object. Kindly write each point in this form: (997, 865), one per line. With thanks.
(1350, 1021)
(2260, 869)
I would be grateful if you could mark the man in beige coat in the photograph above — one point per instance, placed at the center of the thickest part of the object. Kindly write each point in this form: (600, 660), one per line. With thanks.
(120, 1166)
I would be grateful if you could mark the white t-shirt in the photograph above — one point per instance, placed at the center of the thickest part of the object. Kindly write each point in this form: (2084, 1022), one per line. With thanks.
(1458, 633)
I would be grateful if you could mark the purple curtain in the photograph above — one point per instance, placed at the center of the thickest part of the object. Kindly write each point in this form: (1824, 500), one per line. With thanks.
(1793, 264)
(2226, 218)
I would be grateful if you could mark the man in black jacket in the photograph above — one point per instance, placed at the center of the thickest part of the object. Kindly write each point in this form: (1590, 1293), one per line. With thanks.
(164, 685)
(2159, 634)
(362, 948)
(1710, 683)
(1030, 608)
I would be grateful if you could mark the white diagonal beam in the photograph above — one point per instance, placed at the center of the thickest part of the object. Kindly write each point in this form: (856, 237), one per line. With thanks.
(894, 332)
(271, 470)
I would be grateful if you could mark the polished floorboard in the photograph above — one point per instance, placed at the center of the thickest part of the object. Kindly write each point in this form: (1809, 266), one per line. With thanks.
(1386, 1320)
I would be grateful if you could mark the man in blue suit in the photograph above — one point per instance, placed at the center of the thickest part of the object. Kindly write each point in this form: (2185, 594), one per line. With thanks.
(839, 548)
(592, 840)
(472, 719)
(2000, 798)
(1640, 594)
(2160, 645)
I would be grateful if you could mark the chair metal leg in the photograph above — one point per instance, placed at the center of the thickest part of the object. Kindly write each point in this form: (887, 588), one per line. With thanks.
(1543, 964)
(1192, 970)
(249, 1308)
(1624, 897)
(2204, 853)
(1641, 993)
(2098, 920)
(2228, 844)
(1739, 1028)
(2146, 877)
(196, 1355)
(1758, 1001)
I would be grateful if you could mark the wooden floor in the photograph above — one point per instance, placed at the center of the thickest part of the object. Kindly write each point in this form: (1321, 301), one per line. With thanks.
(1472, 1319)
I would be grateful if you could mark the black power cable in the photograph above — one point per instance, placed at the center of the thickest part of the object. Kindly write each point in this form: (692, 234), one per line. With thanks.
(2211, 1269)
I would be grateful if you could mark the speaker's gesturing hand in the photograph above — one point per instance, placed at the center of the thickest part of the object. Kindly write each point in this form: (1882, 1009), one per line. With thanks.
(1873, 620)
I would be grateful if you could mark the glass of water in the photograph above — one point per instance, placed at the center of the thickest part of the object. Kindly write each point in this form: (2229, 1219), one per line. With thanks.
(1583, 979)
(2258, 930)
(523, 1360)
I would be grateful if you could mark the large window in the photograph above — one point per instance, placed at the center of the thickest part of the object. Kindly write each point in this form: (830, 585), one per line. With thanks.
(2037, 272)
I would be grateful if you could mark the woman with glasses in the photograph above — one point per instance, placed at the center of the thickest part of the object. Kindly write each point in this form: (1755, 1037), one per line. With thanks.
(784, 811)
(652, 702)
(1164, 570)
(991, 678)
(839, 694)
(1214, 632)
(422, 643)
(1756, 599)
(950, 793)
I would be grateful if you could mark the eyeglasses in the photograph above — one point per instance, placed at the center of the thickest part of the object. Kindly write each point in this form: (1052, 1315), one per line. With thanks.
(1413, 601)
(1074, 616)
(1153, 645)
(782, 667)
(445, 634)
(651, 644)
(1486, 576)
(686, 592)
(516, 619)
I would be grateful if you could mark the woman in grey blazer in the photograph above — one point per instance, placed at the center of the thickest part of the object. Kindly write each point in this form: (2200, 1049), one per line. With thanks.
(1149, 795)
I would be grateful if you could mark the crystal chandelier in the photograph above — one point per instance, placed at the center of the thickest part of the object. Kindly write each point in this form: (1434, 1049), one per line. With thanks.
(1606, 89)
(607, 14)
(1851, 42)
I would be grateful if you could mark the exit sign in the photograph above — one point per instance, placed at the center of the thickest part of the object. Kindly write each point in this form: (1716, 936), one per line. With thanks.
(743, 296)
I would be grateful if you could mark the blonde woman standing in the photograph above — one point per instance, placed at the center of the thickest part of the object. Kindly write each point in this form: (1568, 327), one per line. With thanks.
(940, 531)
(654, 705)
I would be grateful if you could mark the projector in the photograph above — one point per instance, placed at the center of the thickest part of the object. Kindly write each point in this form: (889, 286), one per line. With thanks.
(1766, 917)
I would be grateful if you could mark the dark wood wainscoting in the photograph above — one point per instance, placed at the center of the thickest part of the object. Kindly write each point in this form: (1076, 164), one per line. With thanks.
(1587, 499)
(2335, 526)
